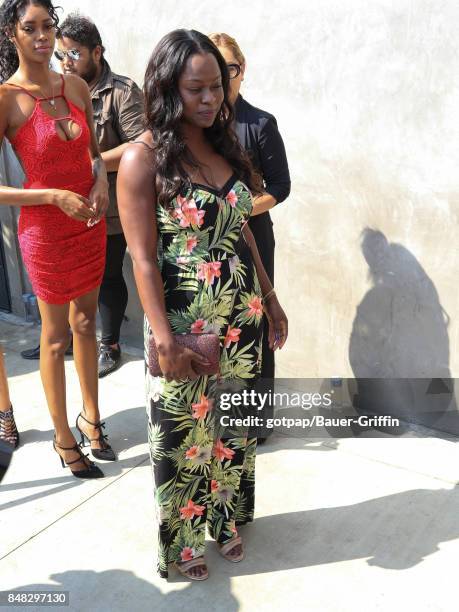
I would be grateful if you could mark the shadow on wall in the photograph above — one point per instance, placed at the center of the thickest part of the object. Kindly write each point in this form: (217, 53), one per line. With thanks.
(399, 345)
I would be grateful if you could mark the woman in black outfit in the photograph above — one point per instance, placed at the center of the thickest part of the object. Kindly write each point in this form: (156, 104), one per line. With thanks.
(257, 132)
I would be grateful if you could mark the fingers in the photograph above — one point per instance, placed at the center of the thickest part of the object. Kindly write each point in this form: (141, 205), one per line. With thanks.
(280, 334)
(93, 222)
(99, 203)
(284, 333)
(192, 375)
(183, 370)
(85, 201)
(199, 359)
(80, 217)
(100, 207)
(271, 336)
(84, 209)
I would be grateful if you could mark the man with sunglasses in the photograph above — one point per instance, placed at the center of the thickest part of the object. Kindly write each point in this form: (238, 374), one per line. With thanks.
(118, 109)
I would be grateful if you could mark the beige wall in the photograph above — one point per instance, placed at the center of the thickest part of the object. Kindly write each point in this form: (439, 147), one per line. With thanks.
(366, 94)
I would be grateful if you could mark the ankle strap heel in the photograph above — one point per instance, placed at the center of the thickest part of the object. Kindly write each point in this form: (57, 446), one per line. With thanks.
(106, 452)
(8, 430)
(92, 471)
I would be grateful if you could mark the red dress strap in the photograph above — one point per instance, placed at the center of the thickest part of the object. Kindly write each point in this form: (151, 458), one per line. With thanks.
(24, 90)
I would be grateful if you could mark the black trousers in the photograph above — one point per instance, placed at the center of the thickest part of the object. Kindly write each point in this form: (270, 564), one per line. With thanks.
(113, 295)
(262, 229)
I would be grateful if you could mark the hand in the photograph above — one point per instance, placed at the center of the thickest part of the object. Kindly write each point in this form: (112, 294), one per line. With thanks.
(72, 204)
(98, 198)
(278, 323)
(176, 362)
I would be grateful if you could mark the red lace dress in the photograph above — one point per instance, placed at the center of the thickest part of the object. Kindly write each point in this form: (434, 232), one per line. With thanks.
(64, 258)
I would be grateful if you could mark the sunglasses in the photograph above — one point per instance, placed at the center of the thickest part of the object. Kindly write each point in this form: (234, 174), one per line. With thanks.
(72, 54)
(234, 70)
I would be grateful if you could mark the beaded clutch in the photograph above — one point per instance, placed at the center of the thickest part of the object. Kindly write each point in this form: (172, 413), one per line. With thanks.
(206, 345)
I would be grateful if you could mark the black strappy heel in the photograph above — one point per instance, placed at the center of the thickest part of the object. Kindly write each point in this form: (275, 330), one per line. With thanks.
(92, 471)
(8, 430)
(106, 453)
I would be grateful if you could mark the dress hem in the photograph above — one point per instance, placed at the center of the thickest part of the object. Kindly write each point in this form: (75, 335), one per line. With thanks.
(67, 298)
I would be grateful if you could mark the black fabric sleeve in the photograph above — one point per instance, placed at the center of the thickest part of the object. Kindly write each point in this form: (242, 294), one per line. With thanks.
(273, 160)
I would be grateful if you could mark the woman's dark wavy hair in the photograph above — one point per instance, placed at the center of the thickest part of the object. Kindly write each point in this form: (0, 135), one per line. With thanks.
(10, 12)
(164, 109)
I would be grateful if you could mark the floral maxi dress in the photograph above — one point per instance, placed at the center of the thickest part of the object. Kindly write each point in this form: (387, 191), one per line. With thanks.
(210, 285)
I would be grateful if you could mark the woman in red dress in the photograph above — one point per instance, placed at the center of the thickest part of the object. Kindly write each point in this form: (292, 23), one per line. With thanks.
(48, 120)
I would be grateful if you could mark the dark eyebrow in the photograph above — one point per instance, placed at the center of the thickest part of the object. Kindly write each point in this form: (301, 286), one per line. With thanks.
(31, 22)
(201, 81)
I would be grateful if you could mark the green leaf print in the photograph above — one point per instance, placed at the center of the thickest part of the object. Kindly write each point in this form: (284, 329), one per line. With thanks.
(155, 440)
(168, 224)
(203, 197)
(201, 472)
(164, 491)
(239, 364)
(251, 309)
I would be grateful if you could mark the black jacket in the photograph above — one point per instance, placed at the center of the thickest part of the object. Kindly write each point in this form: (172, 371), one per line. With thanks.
(258, 134)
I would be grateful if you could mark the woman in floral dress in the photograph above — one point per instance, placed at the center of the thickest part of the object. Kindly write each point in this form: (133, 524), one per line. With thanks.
(184, 192)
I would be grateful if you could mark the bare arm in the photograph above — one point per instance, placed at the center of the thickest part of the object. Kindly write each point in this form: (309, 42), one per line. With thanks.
(262, 203)
(137, 207)
(278, 323)
(137, 202)
(98, 166)
(263, 278)
(99, 193)
(112, 157)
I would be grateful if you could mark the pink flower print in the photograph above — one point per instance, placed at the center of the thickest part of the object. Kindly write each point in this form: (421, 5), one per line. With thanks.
(182, 260)
(191, 242)
(221, 451)
(187, 554)
(191, 510)
(192, 452)
(201, 409)
(198, 326)
(209, 271)
(213, 486)
(232, 335)
(232, 198)
(255, 307)
(188, 212)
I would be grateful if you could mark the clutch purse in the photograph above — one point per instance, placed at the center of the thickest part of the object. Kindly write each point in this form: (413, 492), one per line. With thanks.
(207, 345)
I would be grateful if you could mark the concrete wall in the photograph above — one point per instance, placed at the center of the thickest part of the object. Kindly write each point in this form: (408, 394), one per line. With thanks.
(11, 174)
(366, 93)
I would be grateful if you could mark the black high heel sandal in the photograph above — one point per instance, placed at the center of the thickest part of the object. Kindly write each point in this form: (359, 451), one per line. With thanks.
(106, 453)
(92, 471)
(8, 430)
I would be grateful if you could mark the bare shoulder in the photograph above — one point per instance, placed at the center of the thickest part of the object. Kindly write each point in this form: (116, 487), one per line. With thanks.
(73, 80)
(76, 85)
(7, 95)
(140, 150)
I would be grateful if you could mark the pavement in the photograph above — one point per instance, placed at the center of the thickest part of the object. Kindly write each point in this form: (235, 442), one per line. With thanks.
(341, 525)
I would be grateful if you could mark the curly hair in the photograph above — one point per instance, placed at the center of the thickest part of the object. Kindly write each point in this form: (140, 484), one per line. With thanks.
(82, 30)
(10, 13)
(164, 110)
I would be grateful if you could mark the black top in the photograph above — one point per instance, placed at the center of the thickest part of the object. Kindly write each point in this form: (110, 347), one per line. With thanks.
(258, 134)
